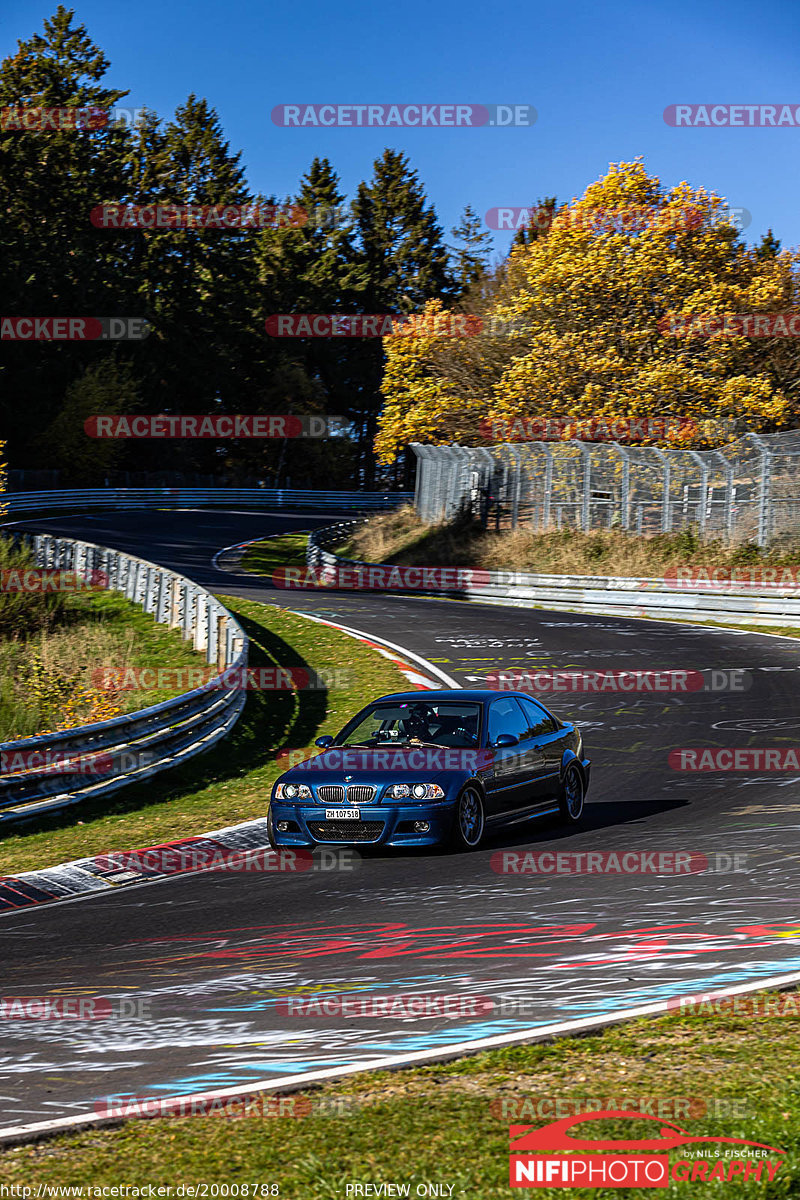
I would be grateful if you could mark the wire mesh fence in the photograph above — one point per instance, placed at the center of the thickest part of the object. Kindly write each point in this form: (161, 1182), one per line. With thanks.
(747, 491)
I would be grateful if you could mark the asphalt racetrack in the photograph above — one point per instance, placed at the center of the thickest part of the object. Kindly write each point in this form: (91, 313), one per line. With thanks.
(212, 955)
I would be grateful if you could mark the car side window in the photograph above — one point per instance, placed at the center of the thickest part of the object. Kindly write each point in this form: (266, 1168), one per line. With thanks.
(539, 721)
(506, 716)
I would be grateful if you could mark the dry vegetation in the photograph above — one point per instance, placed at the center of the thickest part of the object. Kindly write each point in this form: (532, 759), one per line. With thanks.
(400, 537)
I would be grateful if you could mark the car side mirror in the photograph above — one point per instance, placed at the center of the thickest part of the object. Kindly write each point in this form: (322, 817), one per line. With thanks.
(506, 739)
(324, 741)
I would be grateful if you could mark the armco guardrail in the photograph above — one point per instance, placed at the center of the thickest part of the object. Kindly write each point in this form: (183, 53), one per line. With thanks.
(587, 593)
(52, 770)
(125, 498)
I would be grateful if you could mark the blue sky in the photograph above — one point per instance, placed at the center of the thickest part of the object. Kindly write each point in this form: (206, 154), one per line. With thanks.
(599, 74)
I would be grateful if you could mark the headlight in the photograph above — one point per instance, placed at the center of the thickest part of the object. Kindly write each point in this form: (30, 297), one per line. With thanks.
(292, 792)
(419, 791)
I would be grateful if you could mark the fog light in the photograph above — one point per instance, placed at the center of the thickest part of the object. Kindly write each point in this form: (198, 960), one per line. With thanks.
(282, 826)
(421, 826)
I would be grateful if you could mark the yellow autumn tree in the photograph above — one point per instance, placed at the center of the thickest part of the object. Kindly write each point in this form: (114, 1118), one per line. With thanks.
(576, 327)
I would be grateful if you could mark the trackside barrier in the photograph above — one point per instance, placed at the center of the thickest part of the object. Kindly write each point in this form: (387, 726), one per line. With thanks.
(95, 760)
(620, 596)
(137, 498)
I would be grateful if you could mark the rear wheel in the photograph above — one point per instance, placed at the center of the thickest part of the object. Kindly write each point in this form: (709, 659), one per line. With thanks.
(469, 821)
(570, 801)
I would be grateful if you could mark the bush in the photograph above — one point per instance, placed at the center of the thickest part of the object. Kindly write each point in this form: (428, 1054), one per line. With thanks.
(25, 613)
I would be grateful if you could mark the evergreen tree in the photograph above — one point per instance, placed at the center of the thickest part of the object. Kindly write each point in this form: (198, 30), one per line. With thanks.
(471, 258)
(542, 214)
(55, 263)
(769, 246)
(404, 263)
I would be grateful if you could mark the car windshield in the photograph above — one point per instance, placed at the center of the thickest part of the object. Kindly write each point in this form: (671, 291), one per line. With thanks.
(413, 722)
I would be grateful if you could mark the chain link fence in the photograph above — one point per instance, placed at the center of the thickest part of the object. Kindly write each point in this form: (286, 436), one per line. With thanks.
(748, 491)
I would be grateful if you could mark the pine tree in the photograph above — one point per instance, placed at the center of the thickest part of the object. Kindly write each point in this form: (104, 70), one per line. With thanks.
(55, 263)
(542, 214)
(471, 259)
(404, 263)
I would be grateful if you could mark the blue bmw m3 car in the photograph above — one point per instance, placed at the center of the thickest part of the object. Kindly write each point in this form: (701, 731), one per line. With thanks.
(433, 768)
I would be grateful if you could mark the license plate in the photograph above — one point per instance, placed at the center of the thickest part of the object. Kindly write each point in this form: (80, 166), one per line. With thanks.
(342, 814)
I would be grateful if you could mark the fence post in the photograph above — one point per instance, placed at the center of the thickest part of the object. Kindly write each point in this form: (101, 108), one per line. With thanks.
(666, 523)
(587, 485)
(703, 488)
(764, 489)
(517, 485)
(625, 488)
(548, 486)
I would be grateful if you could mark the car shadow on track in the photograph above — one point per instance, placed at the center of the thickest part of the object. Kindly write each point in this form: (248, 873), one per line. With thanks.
(545, 831)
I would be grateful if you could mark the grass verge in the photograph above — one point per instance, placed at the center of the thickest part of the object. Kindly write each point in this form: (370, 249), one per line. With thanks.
(719, 1073)
(287, 550)
(50, 677)
(232, 782)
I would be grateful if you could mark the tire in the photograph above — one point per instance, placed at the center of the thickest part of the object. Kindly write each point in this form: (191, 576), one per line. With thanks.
(573, 794)
(469, 820)
(271, 830)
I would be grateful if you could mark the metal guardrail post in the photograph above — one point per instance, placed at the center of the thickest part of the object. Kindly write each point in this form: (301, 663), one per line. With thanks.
(222, 631)
(174, 602)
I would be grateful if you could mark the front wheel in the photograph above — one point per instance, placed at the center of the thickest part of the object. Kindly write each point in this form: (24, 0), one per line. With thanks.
(570, 801)
(470, 820)
(271, 830)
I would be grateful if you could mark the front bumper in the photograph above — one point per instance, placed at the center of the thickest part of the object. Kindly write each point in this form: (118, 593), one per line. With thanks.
(378, 825)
